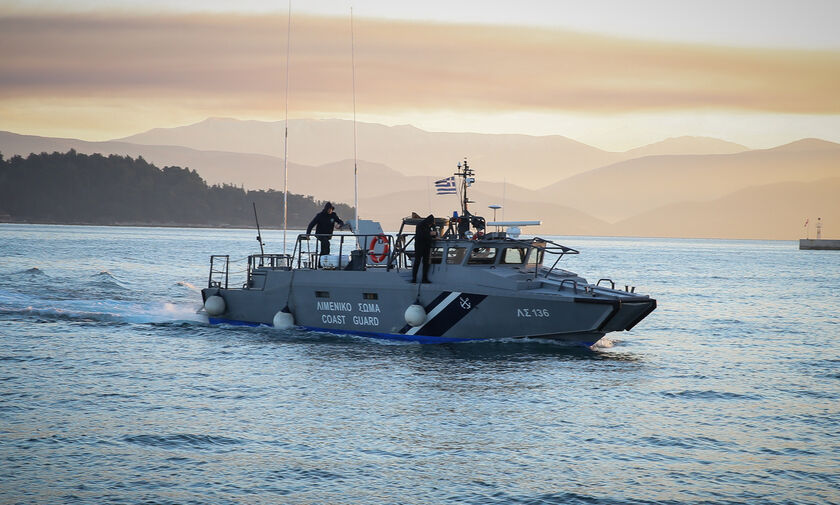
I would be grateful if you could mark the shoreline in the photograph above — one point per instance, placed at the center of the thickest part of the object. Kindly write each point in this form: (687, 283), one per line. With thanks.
(147, 225)
(303, 227)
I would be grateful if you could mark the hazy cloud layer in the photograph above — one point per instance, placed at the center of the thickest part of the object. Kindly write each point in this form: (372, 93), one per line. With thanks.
(238, 62)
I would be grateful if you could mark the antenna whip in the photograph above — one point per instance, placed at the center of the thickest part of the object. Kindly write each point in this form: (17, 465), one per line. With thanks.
(286, 134)
(355, 159)
(259, 233)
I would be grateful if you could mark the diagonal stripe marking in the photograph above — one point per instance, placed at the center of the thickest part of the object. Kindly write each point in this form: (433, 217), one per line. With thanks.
(442, 305)
(429, 307)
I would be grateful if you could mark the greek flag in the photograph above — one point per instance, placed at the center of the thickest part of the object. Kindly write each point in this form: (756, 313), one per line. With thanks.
(446, 186)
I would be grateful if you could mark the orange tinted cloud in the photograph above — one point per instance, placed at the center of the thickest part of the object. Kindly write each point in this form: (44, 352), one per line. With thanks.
(238, 62)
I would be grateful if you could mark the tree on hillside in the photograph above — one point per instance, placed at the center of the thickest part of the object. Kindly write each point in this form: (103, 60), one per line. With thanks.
(76, 188)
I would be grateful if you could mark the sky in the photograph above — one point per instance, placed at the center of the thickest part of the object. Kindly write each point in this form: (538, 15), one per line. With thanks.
(613, 74)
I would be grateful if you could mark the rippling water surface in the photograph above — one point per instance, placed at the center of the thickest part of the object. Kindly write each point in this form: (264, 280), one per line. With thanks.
(113, 389)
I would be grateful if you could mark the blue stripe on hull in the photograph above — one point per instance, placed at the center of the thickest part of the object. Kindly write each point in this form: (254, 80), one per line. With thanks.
(233, 322)
(421, 339)
(387, 336)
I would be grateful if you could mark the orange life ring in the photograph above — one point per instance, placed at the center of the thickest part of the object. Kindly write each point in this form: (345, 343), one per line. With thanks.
(377, 240)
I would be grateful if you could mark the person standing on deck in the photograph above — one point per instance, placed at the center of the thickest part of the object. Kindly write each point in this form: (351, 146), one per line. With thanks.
(424, 234)
(324, 223)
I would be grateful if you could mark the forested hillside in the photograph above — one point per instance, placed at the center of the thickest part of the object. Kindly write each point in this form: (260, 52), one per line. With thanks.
(75, 188)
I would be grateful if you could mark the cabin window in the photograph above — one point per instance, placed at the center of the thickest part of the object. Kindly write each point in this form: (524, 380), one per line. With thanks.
(322, 294)
(455, 255)
(370, 296)
(482, 256)
(436, 255)
(535, 256)
(514, 255)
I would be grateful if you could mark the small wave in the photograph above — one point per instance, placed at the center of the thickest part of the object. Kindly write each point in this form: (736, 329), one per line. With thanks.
(309, 474)
(686, 442)
(560, 498)
(15, 409)
(29, 273)
(390, 454)
(183, 440)
(710, 395)
(822, 395)
(25, 359)
(105, 279)
(789, 451)
(724, 321)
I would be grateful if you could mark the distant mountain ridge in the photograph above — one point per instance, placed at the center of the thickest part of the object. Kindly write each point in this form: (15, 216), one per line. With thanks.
(254, 171)
(643, 184)
(768, 211)
(605, 200)
(406, 149)
(411, 151)
(809, 144)
(687, 145)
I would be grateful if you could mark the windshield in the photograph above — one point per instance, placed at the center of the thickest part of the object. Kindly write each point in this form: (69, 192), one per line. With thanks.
(514, 255)
(535, 255)
(455, 255)
(482, 256)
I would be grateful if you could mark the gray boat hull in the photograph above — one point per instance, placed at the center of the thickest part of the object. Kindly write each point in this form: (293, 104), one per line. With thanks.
(488, 306)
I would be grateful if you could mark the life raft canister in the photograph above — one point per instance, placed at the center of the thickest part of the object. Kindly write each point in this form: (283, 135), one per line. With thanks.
(378, 248)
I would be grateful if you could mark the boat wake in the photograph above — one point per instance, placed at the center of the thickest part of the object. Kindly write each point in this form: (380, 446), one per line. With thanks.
(604, 343)
(98, 297)
(119, 311)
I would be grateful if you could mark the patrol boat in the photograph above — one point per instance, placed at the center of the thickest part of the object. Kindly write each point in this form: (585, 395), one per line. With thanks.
(484, 286)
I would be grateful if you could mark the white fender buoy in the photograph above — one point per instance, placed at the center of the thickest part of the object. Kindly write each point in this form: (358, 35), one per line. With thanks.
(283, 320)
(415, 315)
(214, 305)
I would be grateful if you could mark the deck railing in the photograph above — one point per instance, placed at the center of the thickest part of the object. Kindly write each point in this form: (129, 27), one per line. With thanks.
(378, 251)
(219, 265)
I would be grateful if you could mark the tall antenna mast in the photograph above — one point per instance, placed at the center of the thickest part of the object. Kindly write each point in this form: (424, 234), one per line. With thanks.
(466, 174)
(286, 134)
(355, 159)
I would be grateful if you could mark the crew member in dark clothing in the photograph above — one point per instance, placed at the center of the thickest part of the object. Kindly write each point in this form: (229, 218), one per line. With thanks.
(464, 224)
(324, 223)
(424, 234)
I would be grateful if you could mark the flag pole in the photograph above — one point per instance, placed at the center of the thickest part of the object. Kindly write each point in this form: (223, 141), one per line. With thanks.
(504, 194)
(429, 191)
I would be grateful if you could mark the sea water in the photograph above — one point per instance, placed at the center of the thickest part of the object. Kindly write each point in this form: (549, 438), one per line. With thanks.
(114, 390)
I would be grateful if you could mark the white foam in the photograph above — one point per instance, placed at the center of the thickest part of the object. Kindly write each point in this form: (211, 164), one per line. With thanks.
(603, 343)
(102, 310)
(188, 286)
